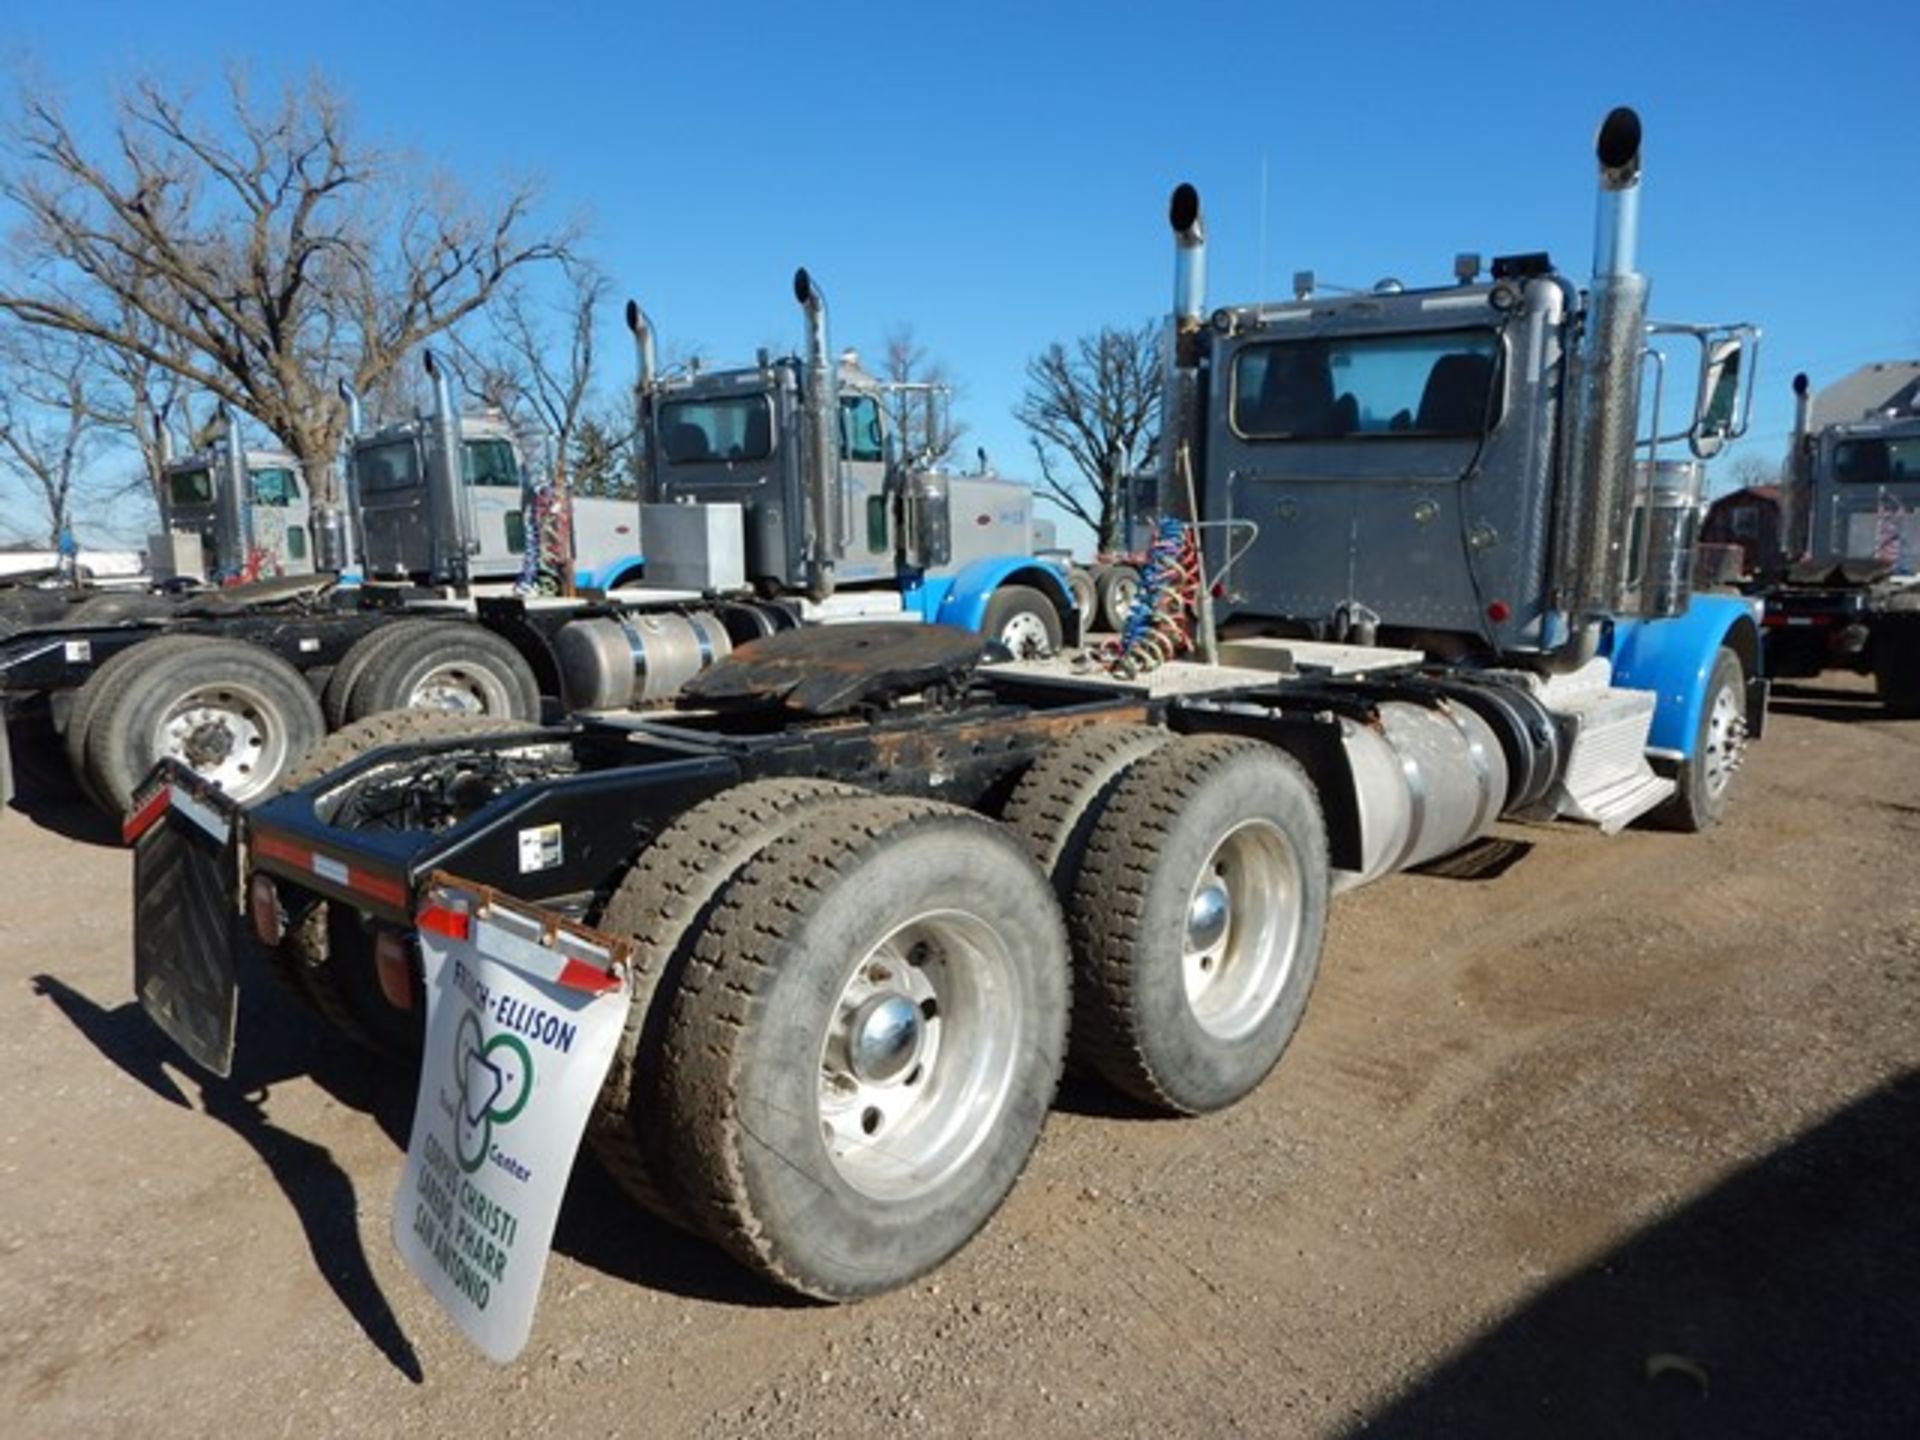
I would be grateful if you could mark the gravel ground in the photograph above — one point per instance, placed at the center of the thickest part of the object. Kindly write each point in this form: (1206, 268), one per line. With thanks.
(1621, 1141)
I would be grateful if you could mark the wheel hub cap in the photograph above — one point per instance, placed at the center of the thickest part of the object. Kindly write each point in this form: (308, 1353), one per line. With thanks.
(207, 744)
(1025, 636)
(886, 1038)
(1207, 916)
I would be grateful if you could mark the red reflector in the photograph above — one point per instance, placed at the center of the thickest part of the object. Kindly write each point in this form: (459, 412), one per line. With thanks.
(393, 963)
(349, 877)
(1219, 589)
(141, 821)
(1498, 612)
(576, 975)
(263, 907)
(451, 923)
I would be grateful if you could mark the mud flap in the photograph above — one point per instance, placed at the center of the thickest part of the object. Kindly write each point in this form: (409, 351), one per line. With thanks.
(523, 1013)
(187, 914)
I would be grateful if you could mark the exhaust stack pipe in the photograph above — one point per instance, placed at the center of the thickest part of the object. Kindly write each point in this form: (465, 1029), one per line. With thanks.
(446, 495)
(1189, 257)
(1180, 480)
(231, 532)
(823, 449)
(1180, 392)
(162, 437)
(1597, 508)
(1796, 521)
(646, 381)
(356, 417)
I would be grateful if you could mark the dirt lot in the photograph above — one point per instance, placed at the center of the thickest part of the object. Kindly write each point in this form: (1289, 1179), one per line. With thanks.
(1623, 1141)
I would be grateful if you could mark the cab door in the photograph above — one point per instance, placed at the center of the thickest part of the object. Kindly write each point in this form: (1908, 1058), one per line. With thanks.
(396, 520)
(496, 526)
(279, 520)
(868, 534)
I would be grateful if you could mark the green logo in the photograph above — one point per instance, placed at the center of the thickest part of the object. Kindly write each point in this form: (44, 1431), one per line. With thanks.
(494, 1080)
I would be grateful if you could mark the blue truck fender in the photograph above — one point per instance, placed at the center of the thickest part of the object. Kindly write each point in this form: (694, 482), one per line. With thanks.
(963, 600)
(605, 576)
(1674, 659)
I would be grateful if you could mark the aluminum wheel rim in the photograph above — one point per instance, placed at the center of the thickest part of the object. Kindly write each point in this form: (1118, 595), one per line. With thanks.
(1243, 928)
(899, 1115)
(1025, 634)
(226, 733)
(459, 688)
(1123, 594)
(1726, 741)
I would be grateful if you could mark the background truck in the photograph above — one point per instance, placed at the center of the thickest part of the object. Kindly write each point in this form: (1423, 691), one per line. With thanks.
(1842, 590)
(231, 513)
(239, 683)
(1106, 586)
(845, 891)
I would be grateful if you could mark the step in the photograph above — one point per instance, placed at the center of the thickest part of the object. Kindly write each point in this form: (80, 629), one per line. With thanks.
(1608, 781)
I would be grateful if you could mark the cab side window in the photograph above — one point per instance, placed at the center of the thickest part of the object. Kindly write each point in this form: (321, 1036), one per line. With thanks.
(861, 435)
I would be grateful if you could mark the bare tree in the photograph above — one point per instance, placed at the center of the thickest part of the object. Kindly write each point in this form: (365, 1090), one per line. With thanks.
(924, 430)
(49, 432)
(537, 364)
(258, 255)
(1747, 471)
(1089, 413)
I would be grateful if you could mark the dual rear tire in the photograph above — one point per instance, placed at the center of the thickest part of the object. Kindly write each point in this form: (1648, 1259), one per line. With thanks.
(1196, 881)
(850, 1013)
(861, 1040)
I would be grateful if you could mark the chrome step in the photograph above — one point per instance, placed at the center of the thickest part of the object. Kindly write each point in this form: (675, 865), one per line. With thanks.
(1608, 781)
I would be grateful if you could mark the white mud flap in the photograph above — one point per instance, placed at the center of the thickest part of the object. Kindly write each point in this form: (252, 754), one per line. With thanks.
(523, 1013)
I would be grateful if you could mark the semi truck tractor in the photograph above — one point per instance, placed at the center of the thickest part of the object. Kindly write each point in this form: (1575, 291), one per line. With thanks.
(803, 957)
(744, 470)
(1843, 593)
(232, 513)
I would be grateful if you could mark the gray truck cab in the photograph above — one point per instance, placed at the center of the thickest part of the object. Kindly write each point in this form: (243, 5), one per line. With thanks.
(821, 504)
(1857, 483)
(399, 498)
(230, 512)
(1408, 461)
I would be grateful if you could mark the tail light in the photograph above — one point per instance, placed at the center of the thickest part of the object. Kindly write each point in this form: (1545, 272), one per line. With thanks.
(393, 964)
(263, 909)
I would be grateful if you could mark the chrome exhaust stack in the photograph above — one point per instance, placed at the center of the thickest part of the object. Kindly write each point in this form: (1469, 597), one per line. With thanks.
(356, 416)
(646, 381)
(445, 493)
(162, 437)
(1797, 507)
(231, 511)
(1597, 502)
(334, 523)
(822, 404)
(1180, 392)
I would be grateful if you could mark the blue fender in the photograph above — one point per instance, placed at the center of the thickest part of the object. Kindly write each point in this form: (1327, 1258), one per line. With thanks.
(962, 601)
(601, 577)
(1674, 659)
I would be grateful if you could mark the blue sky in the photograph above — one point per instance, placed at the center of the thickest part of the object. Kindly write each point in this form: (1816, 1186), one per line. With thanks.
(997, 173)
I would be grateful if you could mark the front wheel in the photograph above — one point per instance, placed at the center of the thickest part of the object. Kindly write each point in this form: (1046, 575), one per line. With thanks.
(1705, 780)
(865, 1045)
(1023, 620)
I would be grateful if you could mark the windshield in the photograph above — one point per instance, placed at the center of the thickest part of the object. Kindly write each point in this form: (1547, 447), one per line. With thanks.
(1424, 386)
(1877, 462)
(489, 462)
(274, 487)
(190, 487)
(391, 465)
(697, 431)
